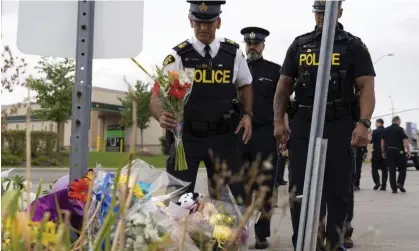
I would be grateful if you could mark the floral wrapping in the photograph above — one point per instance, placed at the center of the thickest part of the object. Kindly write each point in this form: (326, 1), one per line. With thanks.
(173, 90)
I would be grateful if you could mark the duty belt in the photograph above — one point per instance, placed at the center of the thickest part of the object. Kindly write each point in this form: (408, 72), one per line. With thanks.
(332, 104)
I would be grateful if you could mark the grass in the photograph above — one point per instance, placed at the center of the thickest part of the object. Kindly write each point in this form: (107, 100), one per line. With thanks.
(118, 159)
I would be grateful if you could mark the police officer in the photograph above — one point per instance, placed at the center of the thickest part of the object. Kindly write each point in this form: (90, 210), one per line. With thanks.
(360, 156)
(263, 144)
(351, 67)
(377, 161)
(394, 141)
(211, 114)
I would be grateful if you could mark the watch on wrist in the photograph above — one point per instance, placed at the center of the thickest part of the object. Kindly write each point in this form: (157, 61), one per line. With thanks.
(365, 122)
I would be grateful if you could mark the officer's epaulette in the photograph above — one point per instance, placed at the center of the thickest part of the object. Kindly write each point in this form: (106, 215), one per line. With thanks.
(307, 37)
(273, 63)
(229, 46)
(183, 47)
(229, 41)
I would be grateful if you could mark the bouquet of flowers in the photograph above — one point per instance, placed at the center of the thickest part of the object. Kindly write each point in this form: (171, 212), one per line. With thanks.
(173, 90)
(148, 227)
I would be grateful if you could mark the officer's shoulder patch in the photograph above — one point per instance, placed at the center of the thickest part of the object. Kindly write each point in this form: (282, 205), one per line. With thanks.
(229, 41)
(168, 60)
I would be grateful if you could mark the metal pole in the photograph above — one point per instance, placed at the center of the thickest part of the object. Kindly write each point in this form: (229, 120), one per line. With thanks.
(392, 106)
(311, 189)
(82, 90)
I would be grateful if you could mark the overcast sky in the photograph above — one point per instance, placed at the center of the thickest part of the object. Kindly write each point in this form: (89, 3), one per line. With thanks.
(386, 26)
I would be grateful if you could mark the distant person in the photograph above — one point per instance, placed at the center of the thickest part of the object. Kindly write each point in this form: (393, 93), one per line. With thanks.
(392, 142)
(377, 160)
(360, 156)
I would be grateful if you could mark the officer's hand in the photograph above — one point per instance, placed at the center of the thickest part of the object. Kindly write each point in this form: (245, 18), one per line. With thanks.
(167, 120)
(281, 134)
(246, 124)
(384, 155)
(360, 136)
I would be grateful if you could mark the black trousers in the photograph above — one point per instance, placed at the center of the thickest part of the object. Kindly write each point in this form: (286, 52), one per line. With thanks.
(216, 152)
(262, 147)
(396, 161)
(337, 186)
(358, 168)
(378, 163)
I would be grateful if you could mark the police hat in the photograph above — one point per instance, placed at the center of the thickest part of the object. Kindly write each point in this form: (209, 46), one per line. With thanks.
(320, 6)
(205, 11)
(254, 34)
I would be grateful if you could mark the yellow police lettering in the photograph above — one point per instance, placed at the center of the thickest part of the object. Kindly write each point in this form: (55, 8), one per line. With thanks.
(212, 77)
(311, 59)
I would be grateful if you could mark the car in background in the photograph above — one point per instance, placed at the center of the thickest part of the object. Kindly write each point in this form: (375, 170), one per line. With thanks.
(413, 161)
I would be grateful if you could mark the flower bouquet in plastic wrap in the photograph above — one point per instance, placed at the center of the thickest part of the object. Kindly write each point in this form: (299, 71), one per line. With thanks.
(213, 224)
(148, 227)
(173, 90)
(138, 183)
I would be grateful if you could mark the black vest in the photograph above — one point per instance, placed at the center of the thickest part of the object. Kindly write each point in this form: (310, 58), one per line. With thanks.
(213, 90)
(265, 76)
(341, 84)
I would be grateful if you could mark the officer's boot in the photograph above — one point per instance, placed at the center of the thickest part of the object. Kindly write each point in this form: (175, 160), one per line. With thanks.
(261, 243)
(348, 243)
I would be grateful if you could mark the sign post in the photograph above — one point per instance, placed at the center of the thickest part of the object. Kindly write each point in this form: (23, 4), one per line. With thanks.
(316, 157)
(83, 30)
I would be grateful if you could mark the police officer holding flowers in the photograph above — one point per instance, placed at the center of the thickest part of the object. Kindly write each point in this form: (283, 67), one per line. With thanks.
(351, 69)
(211, 114)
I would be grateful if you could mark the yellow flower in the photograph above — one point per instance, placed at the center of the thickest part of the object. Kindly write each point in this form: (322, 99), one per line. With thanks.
(221, 219)
(222, 234)
(138, 192)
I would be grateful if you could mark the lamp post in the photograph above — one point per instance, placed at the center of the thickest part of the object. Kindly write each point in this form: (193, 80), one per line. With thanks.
(383, 56)
(392, 106)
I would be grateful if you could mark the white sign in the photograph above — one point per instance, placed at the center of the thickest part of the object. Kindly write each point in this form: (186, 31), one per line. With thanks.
(49, 28)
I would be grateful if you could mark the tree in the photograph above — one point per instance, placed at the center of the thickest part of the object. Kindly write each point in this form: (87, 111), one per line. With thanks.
(54, 91)
(142, 96)
(12, 70)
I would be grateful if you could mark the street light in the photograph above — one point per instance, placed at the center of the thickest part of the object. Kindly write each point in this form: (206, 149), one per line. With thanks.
(383, 56)
(392, 106)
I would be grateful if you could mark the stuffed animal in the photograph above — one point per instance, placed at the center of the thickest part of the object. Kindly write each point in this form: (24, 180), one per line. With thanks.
(190, 201)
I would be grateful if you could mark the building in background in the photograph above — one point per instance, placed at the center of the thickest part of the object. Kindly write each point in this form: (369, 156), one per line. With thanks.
(104, 124)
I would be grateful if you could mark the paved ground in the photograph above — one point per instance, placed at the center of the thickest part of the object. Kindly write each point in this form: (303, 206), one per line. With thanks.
(383, 221)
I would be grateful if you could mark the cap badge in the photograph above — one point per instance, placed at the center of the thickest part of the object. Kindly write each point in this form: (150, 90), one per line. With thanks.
(203, 7)
(252, 35)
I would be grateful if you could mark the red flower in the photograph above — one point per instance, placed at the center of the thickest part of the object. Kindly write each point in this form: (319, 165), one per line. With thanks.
(178, 93)
(79, 189)
(156, 88)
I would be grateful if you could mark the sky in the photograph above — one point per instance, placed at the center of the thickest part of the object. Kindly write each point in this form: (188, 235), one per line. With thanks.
(385, 26)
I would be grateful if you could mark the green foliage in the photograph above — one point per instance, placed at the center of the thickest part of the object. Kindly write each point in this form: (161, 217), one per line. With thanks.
(11, 70)
(143, 96)
(54, 90)
(42, 142)
(8, 159)
(16, 183)
(165, 147)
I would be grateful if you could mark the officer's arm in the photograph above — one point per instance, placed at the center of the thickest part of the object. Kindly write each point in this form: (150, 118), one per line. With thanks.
(243, 82)
(289, 71)
(382, 143)
(364, 75)
(171, 62)
(406, 141)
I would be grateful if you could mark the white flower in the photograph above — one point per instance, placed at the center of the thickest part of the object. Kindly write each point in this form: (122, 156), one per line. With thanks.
(151, 233)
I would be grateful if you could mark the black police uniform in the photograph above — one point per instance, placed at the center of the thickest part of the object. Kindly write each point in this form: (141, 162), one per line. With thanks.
(358, 168)
(211, 113)
(262, 144)
(395, 155)
(350, 60)
(377, 160)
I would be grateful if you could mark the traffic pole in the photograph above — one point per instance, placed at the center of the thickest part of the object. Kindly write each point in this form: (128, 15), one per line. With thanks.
(82, 91)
